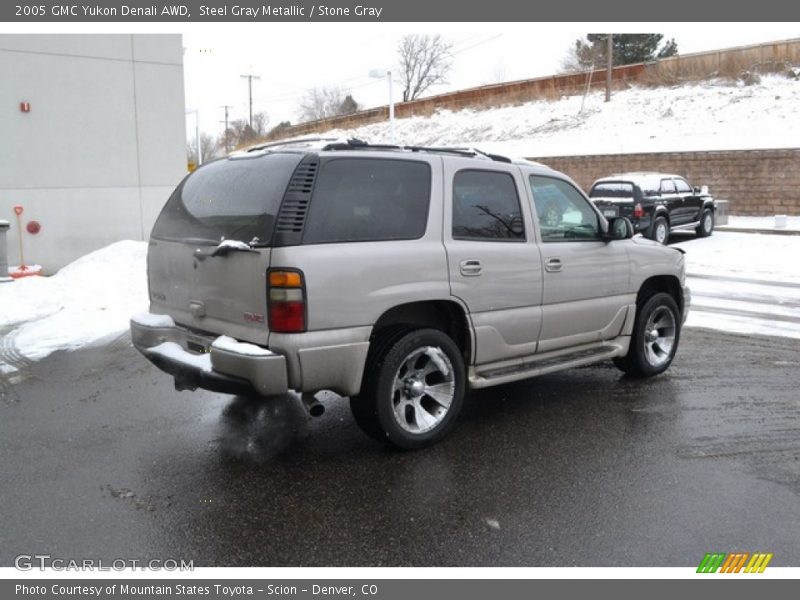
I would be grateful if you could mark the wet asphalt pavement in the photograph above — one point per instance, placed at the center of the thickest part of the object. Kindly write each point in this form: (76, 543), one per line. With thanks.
(101, 458)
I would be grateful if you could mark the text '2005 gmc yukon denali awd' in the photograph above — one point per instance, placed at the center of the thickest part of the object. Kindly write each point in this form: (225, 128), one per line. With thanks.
(397, 276)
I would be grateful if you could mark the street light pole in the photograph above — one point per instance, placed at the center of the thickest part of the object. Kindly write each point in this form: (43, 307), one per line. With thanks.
(609, 65)
(379, 74)
(391, 109)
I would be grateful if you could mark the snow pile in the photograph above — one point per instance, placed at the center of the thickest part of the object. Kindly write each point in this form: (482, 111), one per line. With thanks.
(85, 302)
(711, 115)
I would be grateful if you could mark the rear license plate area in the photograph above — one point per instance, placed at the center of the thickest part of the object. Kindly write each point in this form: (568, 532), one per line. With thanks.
(197, 347)
(609, 212)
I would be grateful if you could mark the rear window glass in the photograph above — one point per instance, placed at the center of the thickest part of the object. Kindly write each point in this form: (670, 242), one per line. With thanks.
(369, 199)
(234, 199)
(612, 189)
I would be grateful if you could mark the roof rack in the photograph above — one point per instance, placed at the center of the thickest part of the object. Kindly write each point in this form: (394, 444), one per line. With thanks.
(357, 144)
(295, 142)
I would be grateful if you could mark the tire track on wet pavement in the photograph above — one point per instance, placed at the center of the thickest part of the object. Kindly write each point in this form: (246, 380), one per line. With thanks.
(13, 363)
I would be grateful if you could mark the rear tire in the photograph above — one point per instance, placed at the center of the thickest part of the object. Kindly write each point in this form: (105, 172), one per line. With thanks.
(655, 338)
(362, 406)
(706, 227)
(660, 232)
(413, 389)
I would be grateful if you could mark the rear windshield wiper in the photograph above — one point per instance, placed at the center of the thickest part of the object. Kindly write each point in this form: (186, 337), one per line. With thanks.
(223, 248)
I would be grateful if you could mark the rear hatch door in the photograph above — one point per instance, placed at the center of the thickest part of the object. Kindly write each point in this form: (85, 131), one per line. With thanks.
(210, 247)
(614, 198)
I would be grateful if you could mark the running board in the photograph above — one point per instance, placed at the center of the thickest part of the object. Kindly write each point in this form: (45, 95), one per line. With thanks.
(524, 368)
(694, 225)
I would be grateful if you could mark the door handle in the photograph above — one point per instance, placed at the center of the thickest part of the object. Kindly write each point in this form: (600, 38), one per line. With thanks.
(553, 265)
(470, 268)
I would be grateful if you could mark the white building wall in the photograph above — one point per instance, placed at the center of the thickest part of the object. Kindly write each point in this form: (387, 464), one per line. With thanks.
(102, 146)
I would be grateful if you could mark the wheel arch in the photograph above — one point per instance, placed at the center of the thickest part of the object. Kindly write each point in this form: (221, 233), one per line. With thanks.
(660, 283)
(445, 315)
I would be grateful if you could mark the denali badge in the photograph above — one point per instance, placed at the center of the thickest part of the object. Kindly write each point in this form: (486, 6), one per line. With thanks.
(253, 317)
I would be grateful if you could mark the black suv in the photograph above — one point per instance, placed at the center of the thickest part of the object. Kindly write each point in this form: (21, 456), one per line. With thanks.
(656, 203)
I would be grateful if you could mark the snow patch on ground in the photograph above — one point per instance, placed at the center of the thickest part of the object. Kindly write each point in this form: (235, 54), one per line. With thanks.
(711, 115)
(744, 283)
(754, 256)
(87, 301)
(767, 223)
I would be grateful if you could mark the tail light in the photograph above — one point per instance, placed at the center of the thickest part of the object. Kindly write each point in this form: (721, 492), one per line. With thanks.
(286, 301)
(638, 211)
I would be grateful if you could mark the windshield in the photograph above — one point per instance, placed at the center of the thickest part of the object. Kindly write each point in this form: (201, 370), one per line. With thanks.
(230, 198)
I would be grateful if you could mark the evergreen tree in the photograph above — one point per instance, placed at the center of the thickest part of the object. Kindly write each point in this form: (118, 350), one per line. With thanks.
(628, 48)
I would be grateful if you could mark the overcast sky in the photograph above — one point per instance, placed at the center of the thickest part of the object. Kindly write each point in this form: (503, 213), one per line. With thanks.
(290, 58)
(293, 57)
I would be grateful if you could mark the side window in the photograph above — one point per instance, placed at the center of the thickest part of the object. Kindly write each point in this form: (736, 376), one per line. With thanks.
(683, 187)
(369, 199)
(486, 207)
(668, 186)
(563, 213)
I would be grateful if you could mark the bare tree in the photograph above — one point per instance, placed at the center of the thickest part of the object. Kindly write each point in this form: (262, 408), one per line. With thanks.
(240, 133)
(425, 60)
(324, 102)
(209, 148)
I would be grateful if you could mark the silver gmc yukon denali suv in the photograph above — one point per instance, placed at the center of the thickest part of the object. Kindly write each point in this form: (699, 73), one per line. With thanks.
(399, 277)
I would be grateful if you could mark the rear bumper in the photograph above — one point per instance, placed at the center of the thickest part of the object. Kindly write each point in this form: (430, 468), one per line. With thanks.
(233, 369)
(305, 362)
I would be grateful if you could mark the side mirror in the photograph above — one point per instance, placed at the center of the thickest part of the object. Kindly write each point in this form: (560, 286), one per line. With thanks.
(619, 228)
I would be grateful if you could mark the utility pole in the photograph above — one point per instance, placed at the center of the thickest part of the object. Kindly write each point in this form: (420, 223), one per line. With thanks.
(250, 78)
(225, 131)
(609, 65)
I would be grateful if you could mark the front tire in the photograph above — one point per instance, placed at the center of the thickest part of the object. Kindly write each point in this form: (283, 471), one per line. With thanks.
(655, 338)
(706, 227)
(413, 389)
(660, 231)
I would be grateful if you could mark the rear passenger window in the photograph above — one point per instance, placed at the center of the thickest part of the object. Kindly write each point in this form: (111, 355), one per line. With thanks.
(486, 207)
(369, 199)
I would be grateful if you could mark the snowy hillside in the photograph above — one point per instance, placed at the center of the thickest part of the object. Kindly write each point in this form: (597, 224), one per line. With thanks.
(715, 115)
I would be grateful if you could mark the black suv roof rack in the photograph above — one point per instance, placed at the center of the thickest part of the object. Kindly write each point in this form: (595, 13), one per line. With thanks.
(356, 144)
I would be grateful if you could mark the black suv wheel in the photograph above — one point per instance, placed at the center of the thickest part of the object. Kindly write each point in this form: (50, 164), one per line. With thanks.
(706, 226)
